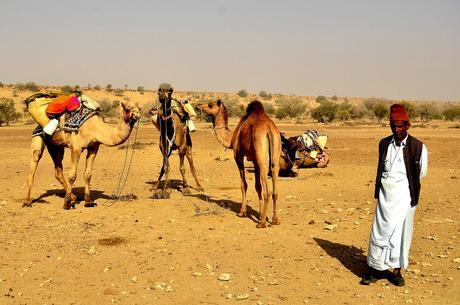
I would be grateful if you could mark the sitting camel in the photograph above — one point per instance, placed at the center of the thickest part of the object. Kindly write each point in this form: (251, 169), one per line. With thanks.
(258, 139)
(174, 134)
(91, 134)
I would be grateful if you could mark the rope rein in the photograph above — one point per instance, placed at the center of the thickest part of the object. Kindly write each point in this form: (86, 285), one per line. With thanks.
(121, 185)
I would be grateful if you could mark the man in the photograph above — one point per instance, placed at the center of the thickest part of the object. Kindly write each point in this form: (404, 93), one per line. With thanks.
(402, 163)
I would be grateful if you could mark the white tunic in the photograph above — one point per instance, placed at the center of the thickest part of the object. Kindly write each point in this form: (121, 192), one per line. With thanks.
(391, 233)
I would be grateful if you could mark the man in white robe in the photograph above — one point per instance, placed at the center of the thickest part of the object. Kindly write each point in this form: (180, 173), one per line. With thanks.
(397, 193)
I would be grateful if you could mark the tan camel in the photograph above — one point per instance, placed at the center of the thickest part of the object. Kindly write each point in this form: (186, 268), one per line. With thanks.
(173, 135)
(258, 139)
(90, 135)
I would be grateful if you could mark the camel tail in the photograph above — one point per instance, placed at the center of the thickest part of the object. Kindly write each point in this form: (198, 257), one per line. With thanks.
(272, 154)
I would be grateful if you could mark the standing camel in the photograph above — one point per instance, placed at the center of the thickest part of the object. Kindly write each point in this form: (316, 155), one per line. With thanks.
(258, 139)
(90, 135)
(173, 135)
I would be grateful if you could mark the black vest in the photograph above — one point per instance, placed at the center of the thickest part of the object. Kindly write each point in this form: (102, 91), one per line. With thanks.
(412, 153)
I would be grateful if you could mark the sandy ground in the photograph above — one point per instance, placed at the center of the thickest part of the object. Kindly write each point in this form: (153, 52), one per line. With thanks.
(173, 251)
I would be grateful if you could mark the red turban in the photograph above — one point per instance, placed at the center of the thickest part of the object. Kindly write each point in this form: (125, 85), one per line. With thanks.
(398, 113)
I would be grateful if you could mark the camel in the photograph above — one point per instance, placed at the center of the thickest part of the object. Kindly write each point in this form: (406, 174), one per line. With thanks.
(258, 139)
(90, 135)
(171, 127)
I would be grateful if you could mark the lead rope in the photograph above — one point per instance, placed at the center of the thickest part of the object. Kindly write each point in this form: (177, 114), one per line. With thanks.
(121, 184)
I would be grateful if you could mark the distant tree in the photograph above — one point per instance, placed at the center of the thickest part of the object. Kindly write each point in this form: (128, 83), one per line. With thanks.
(88, 86)
(269, 109)
(126, 87)
(67, 89)
(140, 89)
(334, 98)
(320, 99)
(347, 111)
(451, 112)
(234, 108)
(380, 110)
(242, 93)
(109, 109)
(109, 88)
(290, 107)
(31, 86)
(325, 112)
(118, 92)
(427, 111)
(265, 95)
(7, 111)
(97, 87)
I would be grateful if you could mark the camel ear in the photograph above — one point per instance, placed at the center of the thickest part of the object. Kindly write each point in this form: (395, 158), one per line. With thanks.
(219, 102)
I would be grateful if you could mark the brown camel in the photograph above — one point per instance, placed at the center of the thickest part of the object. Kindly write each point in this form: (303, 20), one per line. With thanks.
(173, 135)
(90, 135)
(258, 139)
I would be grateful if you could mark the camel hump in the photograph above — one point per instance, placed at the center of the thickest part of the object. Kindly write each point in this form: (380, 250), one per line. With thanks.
(255, 107)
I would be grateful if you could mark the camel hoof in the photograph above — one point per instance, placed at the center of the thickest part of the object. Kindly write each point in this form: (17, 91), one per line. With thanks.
(241, 214)
(276, 222)
(261, 225)
(186, 191)
(90, 204)
(200, 188)
(27, 203)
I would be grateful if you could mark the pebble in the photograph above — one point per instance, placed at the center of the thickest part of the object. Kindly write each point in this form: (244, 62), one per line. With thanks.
(242, 296)
(456, 260)
(92, 251)
(197, 274)
(224, 277)
(330, 227)
(134, 279)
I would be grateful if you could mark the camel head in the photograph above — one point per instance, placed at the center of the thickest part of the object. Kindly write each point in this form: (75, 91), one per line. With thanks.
(165, 92)
(213, 109)
(130, 112)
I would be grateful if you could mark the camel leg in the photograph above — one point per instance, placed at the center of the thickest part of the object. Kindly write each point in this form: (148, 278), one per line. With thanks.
(275, 219)
(192, 168)
(186, 189)
(258, 186)
(57, 154)
(36, 152)
(91, 155)
(75, 157)
(244, 186)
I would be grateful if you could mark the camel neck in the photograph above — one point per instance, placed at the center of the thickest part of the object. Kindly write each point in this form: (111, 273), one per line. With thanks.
(223, 133)
(110, 135)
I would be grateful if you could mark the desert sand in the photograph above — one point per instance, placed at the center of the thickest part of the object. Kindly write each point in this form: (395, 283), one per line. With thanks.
(195, 250)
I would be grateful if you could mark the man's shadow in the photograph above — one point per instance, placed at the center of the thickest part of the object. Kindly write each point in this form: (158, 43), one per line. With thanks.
(78, 191)
(351, 257)
(230, 205)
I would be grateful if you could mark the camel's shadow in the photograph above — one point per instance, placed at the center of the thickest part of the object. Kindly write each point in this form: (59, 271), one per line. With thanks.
(230, 205)
(78, 191)
(351, 257)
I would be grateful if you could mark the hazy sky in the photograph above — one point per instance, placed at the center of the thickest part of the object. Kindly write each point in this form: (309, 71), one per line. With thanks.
(395, 49)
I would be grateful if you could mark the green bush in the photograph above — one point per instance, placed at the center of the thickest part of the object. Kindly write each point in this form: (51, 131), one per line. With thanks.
(108, 109)
(97, 87)
(31, 86)
(140, 89)
(265, 95)
(451, 112)
(348, 111)
(427, 111)
(290, 107)
(325, 112)
(242, 93)
(234, 108)
(320, 99)
(269, 109)
(109, 88)
(378, 107)
(118, 92)
(7, 111)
